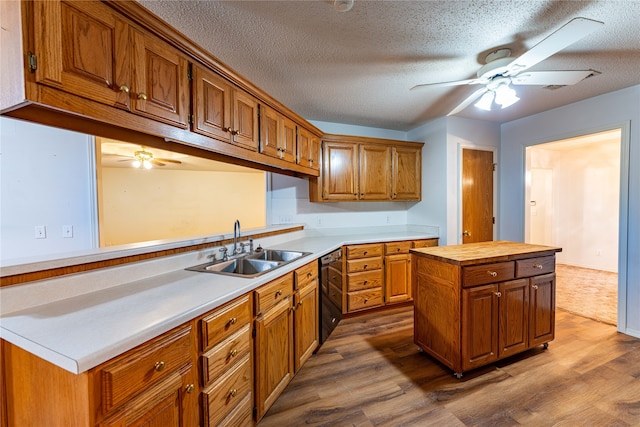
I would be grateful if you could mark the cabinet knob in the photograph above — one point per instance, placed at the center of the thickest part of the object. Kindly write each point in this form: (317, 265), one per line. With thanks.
(366, 299)
(310, 162)
(232, 321)
(299, 303)
(234, 132)
(492, 273)
(535, 287)
(142, 96)
(124, 88)
(233, 392)
(278, 292)
(538, 266)
(233, 353)
(498, 294)
(159, 366)
(365, 282)
(309, 274)
(189, 388)
(466, 233)
(226, 129)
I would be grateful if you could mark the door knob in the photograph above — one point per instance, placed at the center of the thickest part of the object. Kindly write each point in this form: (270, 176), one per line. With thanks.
(466, 233)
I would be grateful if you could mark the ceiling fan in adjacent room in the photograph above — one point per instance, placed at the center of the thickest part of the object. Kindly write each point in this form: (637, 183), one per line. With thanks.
(502, 71)
(145, 159)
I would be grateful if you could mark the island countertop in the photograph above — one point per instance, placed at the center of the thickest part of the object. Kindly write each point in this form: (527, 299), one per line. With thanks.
(484, 252)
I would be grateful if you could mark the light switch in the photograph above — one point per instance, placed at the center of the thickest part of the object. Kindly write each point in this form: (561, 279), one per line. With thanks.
(40, 232)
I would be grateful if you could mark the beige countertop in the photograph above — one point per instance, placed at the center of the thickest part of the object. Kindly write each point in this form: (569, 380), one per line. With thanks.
(480, 253)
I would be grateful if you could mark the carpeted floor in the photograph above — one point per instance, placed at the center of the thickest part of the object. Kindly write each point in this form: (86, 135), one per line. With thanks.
(588, 293)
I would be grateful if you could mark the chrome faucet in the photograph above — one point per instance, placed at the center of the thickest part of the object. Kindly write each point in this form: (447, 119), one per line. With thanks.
(236, 234)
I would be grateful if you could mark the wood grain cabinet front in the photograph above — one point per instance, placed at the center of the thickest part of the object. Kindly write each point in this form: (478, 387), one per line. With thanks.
(306, 304)
(278, 135)
(364, 277)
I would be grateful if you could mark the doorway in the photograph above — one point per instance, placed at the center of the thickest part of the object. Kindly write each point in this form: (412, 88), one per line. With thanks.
(573, 201)
(477, 192)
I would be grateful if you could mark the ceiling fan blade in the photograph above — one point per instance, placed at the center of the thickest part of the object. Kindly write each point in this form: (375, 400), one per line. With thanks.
(155, 162)
(470, 99)
(452, 83)
(548, 78)
(126, 160)
(178, 162)
(566, 35)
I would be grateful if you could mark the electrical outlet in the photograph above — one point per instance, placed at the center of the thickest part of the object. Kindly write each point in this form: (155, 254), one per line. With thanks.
(40, 232)
(388, 219)
(67, 231)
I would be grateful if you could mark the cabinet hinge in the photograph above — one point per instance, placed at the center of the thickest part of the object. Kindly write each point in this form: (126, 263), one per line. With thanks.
(255, 412)
(190, 118)
(493, 220)
(190, 72)
(494, 166)
(32, 60)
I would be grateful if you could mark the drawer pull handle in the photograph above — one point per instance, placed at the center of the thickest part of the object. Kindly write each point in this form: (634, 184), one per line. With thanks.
(232, 321)
(492, 273)
(233, 392)
(538, 266)
(159, 366)
(535, 287)
(498, 294)
(189, 388)
(365, 252)
(366, 299)
(309, 274)
(278, 292)
(299, 303)
(142, 96)
(233, 353)
(124, 88)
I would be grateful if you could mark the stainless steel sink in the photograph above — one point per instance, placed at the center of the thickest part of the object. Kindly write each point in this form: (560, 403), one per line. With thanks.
(251, 264)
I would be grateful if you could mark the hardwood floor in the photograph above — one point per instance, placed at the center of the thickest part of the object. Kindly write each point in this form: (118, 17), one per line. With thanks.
(369, 373)
(587, 292)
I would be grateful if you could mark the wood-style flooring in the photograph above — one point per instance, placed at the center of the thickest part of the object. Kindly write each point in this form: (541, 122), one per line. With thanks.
(369, 373)
(587, 292)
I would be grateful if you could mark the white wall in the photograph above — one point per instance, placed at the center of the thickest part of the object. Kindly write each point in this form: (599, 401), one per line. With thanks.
(46, 179)
(615, 109)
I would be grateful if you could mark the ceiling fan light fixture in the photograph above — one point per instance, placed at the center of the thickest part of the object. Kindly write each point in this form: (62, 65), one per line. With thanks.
(147, 164)
(343, 5)
(486, 101)
(506, 96)
(136, 163)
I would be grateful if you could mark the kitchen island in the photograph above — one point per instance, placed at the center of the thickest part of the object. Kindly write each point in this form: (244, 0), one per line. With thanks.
(480, 302)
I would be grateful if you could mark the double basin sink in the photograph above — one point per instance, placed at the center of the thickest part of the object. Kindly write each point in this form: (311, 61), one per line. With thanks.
(251, 264)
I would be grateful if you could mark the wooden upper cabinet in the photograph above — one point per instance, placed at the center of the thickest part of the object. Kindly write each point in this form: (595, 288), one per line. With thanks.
(277, 135)
(88, 49)
(223, 111)
(407, 173)
(340, 171)
(308, 149)
(375, 172)
(83, 48)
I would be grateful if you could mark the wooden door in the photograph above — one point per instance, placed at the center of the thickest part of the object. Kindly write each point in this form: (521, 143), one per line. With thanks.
(245, 120)
(308, 149)
(83, 48)
(514, 317)
(161, 81)
(314, 152)
(477, 196)
(479, 326)
(270, 132)
(306, 323)
(397, 278)
(375, 172)
(211, 104)
(274, 354)
(407, 173)
(542, 314)
(340, 171)
(288, 146)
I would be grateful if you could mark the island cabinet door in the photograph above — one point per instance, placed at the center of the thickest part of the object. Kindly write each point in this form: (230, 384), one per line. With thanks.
(513, 303)
(542, 309)
(479, 326)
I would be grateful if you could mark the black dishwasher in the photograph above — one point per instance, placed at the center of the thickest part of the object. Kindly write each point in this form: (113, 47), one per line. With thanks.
(330, 293)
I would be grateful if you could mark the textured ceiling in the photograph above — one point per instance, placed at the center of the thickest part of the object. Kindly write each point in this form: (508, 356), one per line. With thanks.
(357, 67)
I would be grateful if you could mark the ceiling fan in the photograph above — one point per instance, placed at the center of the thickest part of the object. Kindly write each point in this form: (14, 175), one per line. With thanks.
(145, 159)
(501, 71)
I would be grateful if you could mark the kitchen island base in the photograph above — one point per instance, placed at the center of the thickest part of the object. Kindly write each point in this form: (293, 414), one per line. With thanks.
(478, 303)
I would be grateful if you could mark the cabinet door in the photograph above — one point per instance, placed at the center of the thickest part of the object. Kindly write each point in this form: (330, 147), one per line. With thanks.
(288, 146)
(274, 354)
(270, 135)
(340, 171)
(514, 317)
(211, 104)
(161, 82)
(542, 314)
(83, 48)
(245, 120)
(407, 173)
(479, 326)
(306, 323)
(375, 172)
(397, 278)
(308, 149)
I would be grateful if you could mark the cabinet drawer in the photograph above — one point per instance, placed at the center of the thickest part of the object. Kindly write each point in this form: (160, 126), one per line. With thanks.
(217, 360)
(272, 293)
(364, 299)
(225, 321)
(335, 295)
(397, 248)
(364, 251)
(364, 280)
(335, 277)
(241, 415)
(224, 395)
(365, 264)
(138, 369)
(534, 266)
(305, 274)
(487, 273)
(426, 243)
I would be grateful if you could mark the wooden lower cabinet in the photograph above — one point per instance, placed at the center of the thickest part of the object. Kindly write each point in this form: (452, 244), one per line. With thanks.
(470, 316)
(306, 305)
